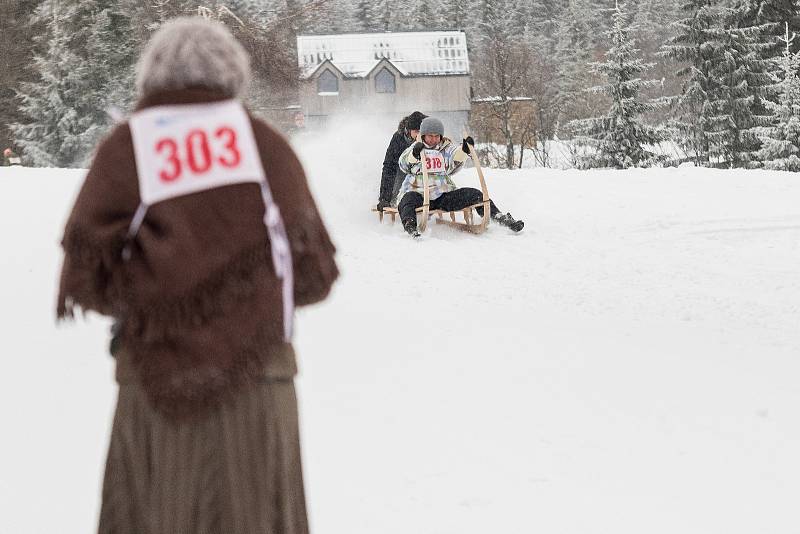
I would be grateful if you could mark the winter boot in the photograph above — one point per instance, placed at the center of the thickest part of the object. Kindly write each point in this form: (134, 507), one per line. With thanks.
(509, 222)
(410, 226)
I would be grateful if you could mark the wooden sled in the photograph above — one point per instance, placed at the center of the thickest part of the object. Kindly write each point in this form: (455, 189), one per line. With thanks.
(467, 213)
(468, 225)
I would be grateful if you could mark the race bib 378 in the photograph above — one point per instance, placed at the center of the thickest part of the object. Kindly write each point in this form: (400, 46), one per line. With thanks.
(434, 162)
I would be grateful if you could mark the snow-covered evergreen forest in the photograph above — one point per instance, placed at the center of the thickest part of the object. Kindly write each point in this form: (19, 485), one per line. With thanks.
(715, 79)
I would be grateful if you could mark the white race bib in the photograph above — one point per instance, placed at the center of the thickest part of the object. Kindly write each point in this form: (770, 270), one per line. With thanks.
(183, 149)
(434, 162)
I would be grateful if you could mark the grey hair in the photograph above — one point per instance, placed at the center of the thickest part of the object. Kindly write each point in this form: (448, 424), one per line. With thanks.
(193, 52)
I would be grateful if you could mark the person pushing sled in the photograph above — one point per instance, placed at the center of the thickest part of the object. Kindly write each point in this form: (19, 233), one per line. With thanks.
(442, 160)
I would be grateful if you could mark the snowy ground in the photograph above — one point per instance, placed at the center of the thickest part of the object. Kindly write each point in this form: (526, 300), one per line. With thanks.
(626, 365)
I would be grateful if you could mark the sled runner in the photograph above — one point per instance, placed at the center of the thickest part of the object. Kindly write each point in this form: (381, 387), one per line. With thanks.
(467, 215)
(468, 225)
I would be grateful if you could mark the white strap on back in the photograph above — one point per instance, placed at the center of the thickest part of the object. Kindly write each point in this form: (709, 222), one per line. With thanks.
(281, 257)
(133, 229)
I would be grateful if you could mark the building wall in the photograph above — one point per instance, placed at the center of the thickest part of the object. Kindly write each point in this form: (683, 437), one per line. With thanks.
(524, 123)
(446, 97)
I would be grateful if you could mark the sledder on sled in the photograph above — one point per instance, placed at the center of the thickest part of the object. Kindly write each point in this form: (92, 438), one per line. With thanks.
(429, 190)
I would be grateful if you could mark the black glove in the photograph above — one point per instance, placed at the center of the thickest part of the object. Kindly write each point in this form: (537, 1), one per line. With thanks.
(468, 144)
(417, 150)
(383, 204)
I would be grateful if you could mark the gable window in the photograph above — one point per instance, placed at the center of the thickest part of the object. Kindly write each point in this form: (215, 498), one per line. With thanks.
(384, 81)
(327, 83)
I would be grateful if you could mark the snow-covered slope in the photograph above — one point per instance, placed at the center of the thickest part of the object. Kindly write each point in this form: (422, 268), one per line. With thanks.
(627, 364)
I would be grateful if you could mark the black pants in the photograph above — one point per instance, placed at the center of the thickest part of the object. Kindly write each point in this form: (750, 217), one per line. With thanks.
(452, 201)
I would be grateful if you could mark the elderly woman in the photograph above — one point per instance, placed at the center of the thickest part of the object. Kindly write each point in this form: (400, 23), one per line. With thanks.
(196, 231)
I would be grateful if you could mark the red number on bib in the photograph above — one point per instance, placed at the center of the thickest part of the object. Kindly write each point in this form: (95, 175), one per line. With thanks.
(172, 157)
(230, 144)
(199, 163)
(198, 153)
(433, 163)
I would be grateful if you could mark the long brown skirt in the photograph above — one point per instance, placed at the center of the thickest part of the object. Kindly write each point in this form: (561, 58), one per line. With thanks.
(236, 470)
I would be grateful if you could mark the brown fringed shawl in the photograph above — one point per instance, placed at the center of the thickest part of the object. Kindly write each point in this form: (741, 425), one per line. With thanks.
(199, 303)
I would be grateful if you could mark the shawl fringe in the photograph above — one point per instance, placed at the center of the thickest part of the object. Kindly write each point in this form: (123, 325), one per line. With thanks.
(85, 281)
(190, 390)
(222, 291)
(91, 288)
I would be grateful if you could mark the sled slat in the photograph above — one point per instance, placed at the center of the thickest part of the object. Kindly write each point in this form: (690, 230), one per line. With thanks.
(471, 228)
(467, 213)
(426, 192)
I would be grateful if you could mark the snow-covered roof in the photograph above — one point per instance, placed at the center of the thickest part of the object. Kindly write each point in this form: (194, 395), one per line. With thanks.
(501, 99)
(413, 53)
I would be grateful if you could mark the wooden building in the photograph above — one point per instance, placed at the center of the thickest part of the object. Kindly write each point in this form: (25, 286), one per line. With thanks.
(496, 120)
(385, 76)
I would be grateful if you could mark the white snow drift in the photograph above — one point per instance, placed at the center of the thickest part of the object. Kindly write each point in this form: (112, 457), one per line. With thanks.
(628, 364)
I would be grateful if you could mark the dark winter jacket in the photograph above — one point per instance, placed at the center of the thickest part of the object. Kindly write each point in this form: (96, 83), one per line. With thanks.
(400, 141)
(391, 177)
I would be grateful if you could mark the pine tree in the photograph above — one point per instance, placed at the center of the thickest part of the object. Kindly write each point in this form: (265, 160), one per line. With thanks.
(501, 20)
(110, 50)
(697, 48)
(423, 15)
(763, 21)
(252, 10)
(330, 17)
(503, 66)
(539, 37)
(599, 15)
(654, 25)
(86, 68)
(573, 54)
(781, 142)
(620, 138)
(737, 109)
(772, 15)
(16, 63)
(373, 15)
(43, 102)
(542, 16)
